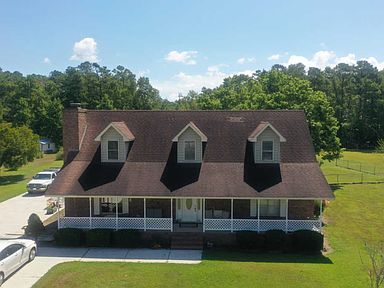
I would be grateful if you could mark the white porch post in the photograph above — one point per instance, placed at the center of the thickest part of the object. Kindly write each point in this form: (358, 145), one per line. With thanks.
(203, 214)
(90, 213)
(117, 213)
(258, 215)
(231, 214)
(171, 215)
(321, 216)
(58, 212)
(145, 216)
(286, 216)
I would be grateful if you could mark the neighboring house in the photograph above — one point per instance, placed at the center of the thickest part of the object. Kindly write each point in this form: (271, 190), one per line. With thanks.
(205, 170)
(46, 146)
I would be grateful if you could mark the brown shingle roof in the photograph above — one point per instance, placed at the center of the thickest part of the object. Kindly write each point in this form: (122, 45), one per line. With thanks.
(222, 173)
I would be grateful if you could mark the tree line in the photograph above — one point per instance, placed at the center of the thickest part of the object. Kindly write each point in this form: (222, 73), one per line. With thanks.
(344, 105)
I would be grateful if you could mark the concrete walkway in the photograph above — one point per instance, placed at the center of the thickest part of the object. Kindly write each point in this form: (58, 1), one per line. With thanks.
(14, 213)
(47, 257)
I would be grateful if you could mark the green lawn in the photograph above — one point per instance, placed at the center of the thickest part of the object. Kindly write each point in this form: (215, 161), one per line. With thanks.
(13, 183)
(365, 161)
(356, 215)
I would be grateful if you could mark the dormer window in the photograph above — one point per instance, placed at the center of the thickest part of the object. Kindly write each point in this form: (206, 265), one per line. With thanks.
(113, 150)
(266, 143)
(267, 150)
(115, 141)
(190, 144)
(189, 150)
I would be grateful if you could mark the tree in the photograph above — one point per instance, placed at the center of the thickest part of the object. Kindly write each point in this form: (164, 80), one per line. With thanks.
(278, 90)
(375, 267)
(18, 145)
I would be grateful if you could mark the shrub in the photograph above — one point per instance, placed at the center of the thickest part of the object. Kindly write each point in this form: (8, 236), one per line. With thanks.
(70, 237)
(249, 240)
(60, 154)
(274, 239)
(99, 237)
(288, 243)
(127, 238)
(307, 241)
(159, 241)
(35, 226)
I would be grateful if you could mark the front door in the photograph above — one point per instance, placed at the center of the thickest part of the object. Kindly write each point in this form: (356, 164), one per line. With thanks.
(190, 210)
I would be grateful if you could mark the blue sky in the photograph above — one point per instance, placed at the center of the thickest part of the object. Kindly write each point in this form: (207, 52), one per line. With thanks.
(183, 45)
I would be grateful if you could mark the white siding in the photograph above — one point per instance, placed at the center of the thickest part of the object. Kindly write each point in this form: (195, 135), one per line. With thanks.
(112, 135)
(96, 204)
(267, 135)
(283, 208)
(125, 205)
(189, 135)
(253, 207)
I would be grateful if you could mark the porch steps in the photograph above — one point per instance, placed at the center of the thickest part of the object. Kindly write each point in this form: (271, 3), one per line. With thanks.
(187, 241)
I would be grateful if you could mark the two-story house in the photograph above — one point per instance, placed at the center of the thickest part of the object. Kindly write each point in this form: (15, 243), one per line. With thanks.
(196, 170)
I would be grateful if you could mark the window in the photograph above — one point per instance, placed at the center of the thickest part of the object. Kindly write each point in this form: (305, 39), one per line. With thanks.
(267, 150)
(108, 206)
(270, 208)
(113, 150)
(190, 150)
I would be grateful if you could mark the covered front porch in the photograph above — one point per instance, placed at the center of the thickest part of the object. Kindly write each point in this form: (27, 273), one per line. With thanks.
(192, 214)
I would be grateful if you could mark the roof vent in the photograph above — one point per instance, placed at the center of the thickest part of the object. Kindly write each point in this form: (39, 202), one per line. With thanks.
(236, 119)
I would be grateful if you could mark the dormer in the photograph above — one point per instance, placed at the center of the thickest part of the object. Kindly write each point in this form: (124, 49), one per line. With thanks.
(266, 145)
(190, 144)
(116, 141)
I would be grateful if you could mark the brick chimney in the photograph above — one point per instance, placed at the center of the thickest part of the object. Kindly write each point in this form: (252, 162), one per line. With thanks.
(74, 125)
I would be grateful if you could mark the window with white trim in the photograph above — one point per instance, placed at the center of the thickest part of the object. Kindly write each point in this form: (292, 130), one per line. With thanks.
(267, 150)
(189, 150)
(113, 150)
(108, 206)
(270, 208)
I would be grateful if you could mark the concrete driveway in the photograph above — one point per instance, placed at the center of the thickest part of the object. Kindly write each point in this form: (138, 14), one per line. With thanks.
(47, 257)
(14, 213)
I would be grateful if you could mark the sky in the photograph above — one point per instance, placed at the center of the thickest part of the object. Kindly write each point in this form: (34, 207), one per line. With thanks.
(186, 45)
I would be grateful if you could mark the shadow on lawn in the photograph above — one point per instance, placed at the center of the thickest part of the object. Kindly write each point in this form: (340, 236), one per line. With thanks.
(265, 257)
(11, 179)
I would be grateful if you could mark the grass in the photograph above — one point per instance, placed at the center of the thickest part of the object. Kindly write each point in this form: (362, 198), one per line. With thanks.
(13, 183)
(365, 161)
(357, 215)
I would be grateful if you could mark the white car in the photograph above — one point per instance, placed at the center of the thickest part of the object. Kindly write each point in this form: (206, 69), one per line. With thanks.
(14, 254)
(41, 181)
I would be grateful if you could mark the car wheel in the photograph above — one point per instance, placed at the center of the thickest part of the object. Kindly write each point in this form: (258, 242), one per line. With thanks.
(32, 254)
(1, 278)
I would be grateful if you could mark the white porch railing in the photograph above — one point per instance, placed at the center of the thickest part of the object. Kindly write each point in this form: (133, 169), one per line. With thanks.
(74, 222)
(260, 225)
(116, 223)
(217, 224)
(158, 223)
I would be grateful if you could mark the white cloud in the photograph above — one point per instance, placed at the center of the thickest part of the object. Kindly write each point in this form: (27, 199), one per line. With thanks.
(244, 60)
(373, 61)
(85, 50)
(274, 57)
(184, 82)
(185, 57)
(349, 59)
(143, 73)
(320, 59)
(325, 58)
(46, 60)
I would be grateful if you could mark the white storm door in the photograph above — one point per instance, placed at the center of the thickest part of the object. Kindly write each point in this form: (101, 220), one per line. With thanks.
(189, 210)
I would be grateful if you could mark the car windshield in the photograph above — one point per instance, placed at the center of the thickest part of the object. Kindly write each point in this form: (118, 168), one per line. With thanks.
(42, 176)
